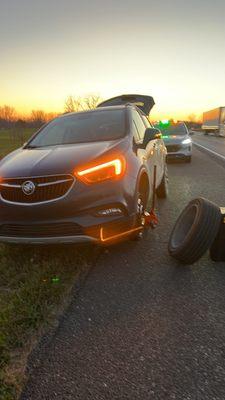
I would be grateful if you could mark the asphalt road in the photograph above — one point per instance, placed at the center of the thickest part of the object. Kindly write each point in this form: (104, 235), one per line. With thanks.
(144, 327)
(215, 144)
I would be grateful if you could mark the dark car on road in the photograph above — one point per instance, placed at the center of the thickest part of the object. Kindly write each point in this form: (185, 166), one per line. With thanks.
(84, 177)
(177, 140)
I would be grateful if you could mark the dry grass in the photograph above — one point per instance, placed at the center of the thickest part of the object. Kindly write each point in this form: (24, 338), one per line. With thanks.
(34, 285)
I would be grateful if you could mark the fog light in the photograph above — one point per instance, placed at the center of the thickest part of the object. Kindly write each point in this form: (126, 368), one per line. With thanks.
(109, 212)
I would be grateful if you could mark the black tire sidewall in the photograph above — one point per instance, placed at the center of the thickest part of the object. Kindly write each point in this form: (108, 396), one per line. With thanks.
(201, 234)
(162, 190)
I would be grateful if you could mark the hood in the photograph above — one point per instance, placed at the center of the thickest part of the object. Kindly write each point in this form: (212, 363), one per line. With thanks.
(145, 103)
(56, 159)
(174, 139)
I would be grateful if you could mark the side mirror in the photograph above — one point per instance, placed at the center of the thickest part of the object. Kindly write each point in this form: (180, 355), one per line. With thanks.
(151, 134)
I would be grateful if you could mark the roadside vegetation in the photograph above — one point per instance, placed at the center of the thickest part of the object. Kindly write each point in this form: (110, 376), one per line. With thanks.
(35, 282)
(11, 139)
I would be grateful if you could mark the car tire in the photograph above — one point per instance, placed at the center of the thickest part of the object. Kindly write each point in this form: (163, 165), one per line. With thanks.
(163, 189)
(188, 159)
(194, 231)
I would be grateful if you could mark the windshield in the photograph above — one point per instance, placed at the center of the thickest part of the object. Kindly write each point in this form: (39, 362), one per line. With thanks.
(81, 128)
(177, 130)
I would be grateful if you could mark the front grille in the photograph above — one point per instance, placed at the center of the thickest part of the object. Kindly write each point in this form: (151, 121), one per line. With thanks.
(46, 188)
(173, 148)
(39, 230)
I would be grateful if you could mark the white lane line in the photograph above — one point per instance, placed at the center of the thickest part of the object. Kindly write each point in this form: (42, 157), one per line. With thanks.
(210, 151)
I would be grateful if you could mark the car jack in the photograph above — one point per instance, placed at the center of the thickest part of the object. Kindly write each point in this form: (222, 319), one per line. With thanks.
(151, 219)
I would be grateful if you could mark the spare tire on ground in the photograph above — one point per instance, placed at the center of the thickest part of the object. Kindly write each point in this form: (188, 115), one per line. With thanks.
(217, 250)
(194, 231)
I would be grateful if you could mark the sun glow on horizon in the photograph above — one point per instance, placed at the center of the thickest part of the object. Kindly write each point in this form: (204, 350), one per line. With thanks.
(23, 111)
(165, 106)
(49, 53)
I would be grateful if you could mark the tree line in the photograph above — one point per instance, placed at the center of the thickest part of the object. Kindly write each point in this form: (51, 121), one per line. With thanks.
(10, 118)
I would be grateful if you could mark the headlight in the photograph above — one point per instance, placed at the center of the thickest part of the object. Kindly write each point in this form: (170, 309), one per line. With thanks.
(112, 169)
(186, 141)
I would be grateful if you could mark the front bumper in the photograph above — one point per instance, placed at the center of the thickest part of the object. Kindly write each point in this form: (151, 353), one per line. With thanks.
(48, 240)
(179, 151)
(110, 231)
(72, 219)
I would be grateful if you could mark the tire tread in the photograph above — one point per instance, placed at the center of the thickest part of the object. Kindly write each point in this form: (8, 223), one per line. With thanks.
(202, 233)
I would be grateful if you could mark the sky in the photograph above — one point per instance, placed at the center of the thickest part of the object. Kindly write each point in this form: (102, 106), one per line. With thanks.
(173, 50)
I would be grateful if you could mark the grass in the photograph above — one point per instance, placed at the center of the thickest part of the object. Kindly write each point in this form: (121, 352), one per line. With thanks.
(35, 283)
(11, 139)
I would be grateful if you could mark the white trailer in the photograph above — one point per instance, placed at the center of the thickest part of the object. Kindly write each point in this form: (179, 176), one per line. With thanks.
(214, 121)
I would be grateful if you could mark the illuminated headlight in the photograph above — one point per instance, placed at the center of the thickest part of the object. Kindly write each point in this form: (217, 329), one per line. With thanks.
(107, 170)
(186, 141)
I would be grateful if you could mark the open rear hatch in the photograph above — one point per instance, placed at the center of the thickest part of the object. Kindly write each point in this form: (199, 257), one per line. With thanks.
(145, 103)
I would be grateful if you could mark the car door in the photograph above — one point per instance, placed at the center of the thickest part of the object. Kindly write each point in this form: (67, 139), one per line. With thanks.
(161, 158)
(148, 154)
(160, 153)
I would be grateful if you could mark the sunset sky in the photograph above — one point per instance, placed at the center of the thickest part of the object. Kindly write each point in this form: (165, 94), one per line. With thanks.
(172, 50)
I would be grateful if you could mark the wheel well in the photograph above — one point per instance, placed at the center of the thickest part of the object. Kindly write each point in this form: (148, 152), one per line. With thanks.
(143, 186)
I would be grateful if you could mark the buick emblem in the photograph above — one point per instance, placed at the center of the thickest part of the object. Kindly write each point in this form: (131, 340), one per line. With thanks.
(28, 188)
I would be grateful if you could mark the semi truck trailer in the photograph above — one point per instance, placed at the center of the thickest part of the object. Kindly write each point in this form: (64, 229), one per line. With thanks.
(214, 121)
